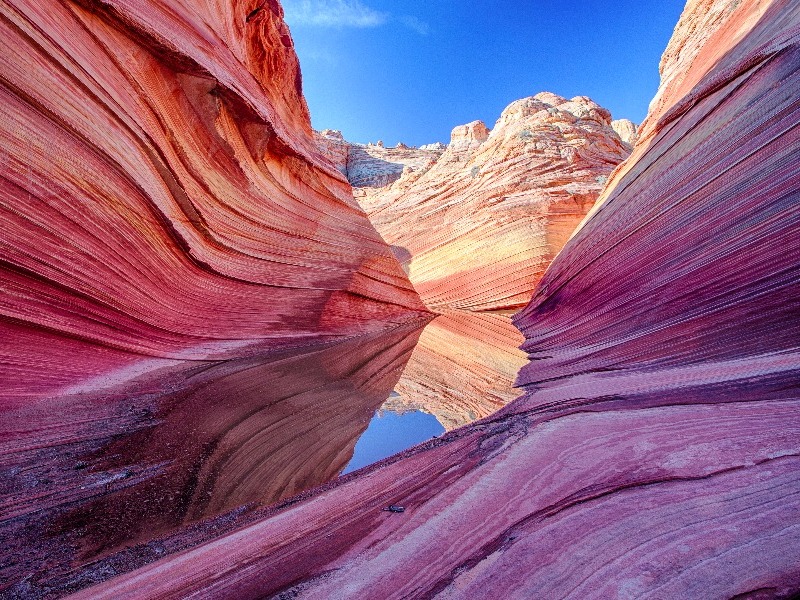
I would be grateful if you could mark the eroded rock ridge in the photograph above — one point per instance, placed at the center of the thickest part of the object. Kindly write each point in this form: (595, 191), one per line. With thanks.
(476, 227)
(169, 202)
(657, 450)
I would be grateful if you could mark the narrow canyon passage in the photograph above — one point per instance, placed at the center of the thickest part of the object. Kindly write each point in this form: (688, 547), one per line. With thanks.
(217, 440)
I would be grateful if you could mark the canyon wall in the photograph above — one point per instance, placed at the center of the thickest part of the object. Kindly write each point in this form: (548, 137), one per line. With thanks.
(656, 453)
(175, 255)
(168, 202)
(476, 228)
(105, 474)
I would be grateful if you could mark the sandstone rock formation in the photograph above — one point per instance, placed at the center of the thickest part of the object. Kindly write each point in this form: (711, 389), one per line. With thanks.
(168, 203)
(120, 471)
(476, 229)
(373, 165)
(166, 218)
(439, 146)
(657, 451)
(626, 130)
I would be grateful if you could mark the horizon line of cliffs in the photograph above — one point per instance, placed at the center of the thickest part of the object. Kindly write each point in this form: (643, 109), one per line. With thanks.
(475, 223)
(656, 452)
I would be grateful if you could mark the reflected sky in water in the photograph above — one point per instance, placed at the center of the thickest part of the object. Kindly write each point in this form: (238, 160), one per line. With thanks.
(461, 369)
(391, 432)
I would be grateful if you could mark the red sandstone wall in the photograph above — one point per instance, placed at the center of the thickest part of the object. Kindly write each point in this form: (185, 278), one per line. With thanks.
(462, 369)
(477, 227)
(162, 198)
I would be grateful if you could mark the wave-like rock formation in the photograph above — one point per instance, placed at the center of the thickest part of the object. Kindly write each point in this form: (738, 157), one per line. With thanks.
(476, 228)
(163, 198)
(374, 165)
(462, 369)
(656, 453)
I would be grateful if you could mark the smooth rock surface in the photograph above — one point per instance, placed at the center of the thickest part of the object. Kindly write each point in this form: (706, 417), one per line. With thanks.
(476, 228)
(656, 453)
(111, 473)
(463, 368)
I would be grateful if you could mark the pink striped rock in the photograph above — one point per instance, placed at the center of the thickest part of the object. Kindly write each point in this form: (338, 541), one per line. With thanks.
(168, 225)
(105, 473)
(163, 198)
(462, 369)
(656, 453)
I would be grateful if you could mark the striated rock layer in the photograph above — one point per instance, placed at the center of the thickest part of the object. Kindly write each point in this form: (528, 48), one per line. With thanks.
(656, 453)
(106, 473)
(476, 228)
(168, 202)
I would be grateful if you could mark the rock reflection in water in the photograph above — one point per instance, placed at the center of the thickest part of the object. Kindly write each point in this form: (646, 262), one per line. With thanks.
(231, 434)
(125, 470)
(462, 369)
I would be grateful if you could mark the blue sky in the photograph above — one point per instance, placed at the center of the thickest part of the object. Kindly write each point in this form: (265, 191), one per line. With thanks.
(410, 71)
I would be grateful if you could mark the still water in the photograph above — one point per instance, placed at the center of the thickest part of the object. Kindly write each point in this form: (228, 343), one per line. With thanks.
(391, 432)
(461, 369)
(129, 469)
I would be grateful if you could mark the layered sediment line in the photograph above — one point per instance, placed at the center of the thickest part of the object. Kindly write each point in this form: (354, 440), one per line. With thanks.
(696, 242)
(168, 202)
(657, 450)
(462, 369)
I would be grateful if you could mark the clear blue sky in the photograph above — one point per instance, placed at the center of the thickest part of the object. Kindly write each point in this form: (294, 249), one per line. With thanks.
(410, 71)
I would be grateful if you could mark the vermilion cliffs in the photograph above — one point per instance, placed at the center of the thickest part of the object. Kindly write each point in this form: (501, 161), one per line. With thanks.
(655, 452)
(476, 227)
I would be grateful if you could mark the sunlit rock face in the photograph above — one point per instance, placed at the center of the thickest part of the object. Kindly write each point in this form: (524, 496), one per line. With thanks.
(373, 165)
(104, 473)
(476, 228)
(462, 369)
(163, 198)
(626, 130)
(656, 453)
